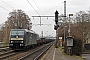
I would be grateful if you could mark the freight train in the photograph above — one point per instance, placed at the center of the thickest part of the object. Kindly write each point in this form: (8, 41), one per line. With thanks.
(21, 39)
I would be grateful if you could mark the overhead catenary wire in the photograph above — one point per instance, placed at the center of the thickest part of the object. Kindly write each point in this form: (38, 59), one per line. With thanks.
(39, 9)
(41, 12)
(53, 8)
(7, 4)
(33, 7)
(36, 5)
(5, 9)
(49, 9)
(46, 11)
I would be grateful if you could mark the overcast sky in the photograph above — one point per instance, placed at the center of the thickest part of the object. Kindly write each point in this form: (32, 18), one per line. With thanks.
(44, 7)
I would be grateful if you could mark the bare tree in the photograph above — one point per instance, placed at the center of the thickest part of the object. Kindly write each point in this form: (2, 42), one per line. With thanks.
(16, 20)
(19, 19)
(84, 21)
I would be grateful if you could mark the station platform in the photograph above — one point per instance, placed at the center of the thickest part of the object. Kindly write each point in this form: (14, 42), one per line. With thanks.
(56, 54)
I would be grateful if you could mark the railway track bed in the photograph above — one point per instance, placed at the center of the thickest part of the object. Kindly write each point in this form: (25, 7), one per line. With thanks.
(33, 53)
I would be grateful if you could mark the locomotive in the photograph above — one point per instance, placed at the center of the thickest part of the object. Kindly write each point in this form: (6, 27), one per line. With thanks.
(21, 39)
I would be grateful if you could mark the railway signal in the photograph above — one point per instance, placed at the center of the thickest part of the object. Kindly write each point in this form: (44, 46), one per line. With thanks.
(56, 20)
(56, 27)
(56, 17)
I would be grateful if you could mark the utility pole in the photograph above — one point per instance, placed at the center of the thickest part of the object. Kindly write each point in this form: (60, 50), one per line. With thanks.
(64, 19)
(64, 11)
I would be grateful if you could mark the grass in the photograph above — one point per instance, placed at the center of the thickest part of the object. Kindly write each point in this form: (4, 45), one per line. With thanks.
(62, 49)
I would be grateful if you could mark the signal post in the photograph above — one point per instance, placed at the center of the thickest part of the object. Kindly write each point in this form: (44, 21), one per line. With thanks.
(56, 27)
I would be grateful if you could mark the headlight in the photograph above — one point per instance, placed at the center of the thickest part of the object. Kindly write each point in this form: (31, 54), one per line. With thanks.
(21, 44)
(11, 41)
(21, 41)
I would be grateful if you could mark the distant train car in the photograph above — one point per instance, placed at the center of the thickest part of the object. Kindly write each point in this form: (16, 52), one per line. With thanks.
(39, 41)
(43, 40)
(21, 39)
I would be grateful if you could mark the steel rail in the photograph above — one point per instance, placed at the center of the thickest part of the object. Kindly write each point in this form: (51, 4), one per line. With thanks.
(30, 54)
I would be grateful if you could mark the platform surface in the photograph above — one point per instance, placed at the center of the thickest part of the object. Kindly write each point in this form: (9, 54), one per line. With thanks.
(56, 54)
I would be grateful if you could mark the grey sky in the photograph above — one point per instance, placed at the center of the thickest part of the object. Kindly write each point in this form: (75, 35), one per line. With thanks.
(46, 7)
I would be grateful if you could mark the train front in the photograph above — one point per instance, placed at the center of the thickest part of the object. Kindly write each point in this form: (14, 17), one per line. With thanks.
(17, 39)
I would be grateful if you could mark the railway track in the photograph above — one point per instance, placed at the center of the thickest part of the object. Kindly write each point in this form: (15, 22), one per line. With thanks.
(33, 53)
(5, 50)
(7, 55)
(10, 54)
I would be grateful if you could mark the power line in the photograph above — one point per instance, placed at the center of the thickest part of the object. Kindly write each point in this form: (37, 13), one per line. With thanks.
(35, 10)
(36, 5)
(52, 8)
(4, 8)
(7, 4)
(38, 8)
(33, 7)
(46, 11)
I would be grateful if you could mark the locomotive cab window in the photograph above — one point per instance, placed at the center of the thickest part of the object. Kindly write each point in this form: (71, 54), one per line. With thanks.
(17, 33)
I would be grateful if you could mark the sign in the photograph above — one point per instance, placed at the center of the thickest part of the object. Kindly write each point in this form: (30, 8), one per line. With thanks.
(69, 41)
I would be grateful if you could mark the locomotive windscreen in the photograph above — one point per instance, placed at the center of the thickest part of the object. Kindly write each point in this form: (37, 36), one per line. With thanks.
(17, 32)
(20, 34)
